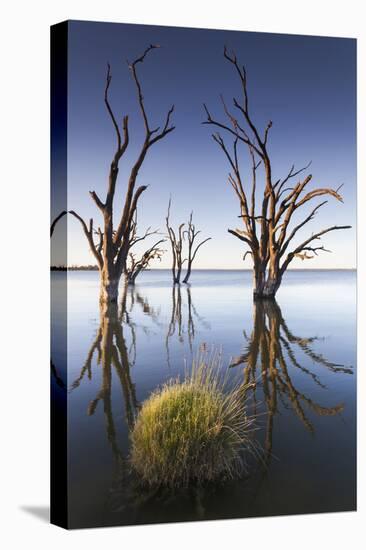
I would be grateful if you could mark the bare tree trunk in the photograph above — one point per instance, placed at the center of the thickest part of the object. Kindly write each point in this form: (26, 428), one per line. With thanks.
(271, 286)
(109, 283)
(188, 273)
(131, 279)
(178, 274)
(259, 276)
(269, 280)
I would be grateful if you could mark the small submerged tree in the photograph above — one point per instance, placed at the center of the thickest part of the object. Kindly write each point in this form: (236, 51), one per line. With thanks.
(176, 242)
(112, 252)
(267, 232)
(191, 235)
(135, 265)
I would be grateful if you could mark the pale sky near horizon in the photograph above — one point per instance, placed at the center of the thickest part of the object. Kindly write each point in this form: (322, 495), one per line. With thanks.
(305, 85)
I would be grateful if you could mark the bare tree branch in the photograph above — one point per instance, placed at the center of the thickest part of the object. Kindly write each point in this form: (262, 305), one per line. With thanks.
(106, 101)
(89, 236)
(57, 219)
(291, 174)
(97, 200)
(300, 225)
(303, 246)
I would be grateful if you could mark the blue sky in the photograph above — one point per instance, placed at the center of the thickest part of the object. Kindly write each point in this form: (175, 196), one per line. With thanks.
(305, 85)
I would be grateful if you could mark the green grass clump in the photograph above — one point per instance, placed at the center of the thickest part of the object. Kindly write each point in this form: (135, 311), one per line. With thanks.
(191, 431)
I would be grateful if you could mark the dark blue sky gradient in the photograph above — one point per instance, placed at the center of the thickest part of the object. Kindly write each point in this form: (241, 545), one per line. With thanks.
(305, 85)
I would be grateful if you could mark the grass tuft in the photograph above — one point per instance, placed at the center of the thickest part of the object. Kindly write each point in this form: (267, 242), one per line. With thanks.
(192, 431)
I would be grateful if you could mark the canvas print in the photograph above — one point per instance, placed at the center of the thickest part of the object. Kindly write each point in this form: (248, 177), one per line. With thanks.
(203, 257)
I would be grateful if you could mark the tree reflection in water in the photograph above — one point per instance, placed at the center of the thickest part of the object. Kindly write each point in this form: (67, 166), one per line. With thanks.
(269, 356)
(112, 352)
(269, 362)
(181, 325)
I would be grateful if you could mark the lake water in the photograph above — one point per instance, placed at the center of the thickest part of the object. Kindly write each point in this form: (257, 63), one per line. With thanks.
(299, 354)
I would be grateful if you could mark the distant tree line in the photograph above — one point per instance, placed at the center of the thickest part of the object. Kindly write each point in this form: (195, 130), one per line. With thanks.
(74, 268)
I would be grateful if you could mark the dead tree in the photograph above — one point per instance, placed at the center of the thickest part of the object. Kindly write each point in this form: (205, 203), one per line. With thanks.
(176, 243)
(191, 235)
(112, 251)
(266, 231)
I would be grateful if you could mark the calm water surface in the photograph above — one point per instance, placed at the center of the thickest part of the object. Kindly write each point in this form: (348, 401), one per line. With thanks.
(299, 354)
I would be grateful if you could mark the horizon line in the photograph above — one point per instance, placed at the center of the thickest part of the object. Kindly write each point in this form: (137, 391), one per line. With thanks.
(92, 267)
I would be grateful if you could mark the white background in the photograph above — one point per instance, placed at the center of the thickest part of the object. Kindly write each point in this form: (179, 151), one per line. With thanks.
(24, 200)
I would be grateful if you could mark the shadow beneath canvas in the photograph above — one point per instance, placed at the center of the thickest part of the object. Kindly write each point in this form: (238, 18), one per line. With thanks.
(40, 512)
